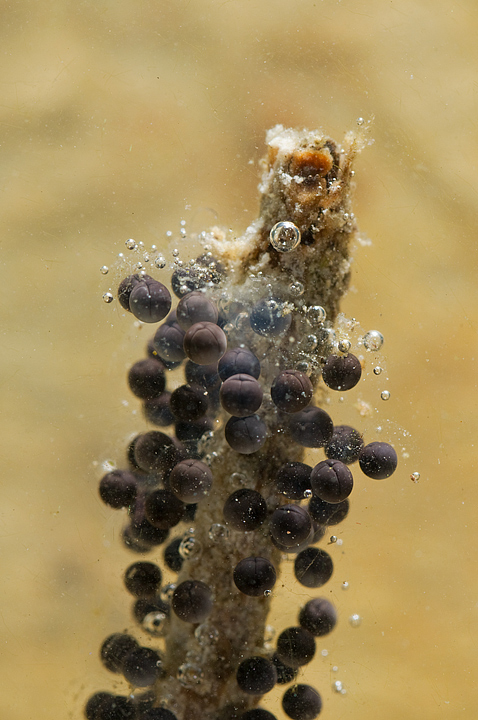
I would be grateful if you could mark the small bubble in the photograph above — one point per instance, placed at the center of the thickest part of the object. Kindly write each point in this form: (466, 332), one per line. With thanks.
(242, 321)
(190, 548)
(415, 477)
(284, 236)
(104, 270)
(108, 298)
(385, 395)
(360, 121)
(146, 257)
(308, 494)
(267, 593)
(130, 244)
(373, 340)
(345, 585)
(296, 288)
(169, 233)
(190, 675)
(154, 623)
(218, 532)
(337, 686)
(311, 342)
(269, 633)
(355, 620)
(206, 634)
(160, 262)
(377, 370)
(324, 653)
(344, 346)
(166, 592)
(121, 256)
(333, 539)
(205, 443)
(316, 314)
(238, 480)
(175, 253)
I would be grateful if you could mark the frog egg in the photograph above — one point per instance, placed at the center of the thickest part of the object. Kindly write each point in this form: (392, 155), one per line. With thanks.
(284, 236)
(373, 340)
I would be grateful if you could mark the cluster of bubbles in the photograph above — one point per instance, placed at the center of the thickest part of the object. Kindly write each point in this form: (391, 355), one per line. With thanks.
(228, 373)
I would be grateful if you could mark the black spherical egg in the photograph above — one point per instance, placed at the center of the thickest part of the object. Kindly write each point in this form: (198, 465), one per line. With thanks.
(241, 395)
(254, 576)
(246, 435)
(190, 480)
(291, 391)
(195, 307)
(342, 372)
(239, 361)
(205, 343)
(378, 460)
(311, 427)
(192, 601)
(331, 481)
(150, 301)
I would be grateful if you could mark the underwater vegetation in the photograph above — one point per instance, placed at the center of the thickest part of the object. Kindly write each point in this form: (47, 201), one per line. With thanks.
(218, 491)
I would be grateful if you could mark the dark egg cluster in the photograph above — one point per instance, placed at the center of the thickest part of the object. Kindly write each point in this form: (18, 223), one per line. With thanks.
(231, 387)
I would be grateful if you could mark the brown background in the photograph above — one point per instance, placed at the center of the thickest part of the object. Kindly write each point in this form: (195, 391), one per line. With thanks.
(115, 115)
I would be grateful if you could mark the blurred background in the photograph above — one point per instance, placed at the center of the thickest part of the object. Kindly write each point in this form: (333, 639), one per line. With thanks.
(119, 120)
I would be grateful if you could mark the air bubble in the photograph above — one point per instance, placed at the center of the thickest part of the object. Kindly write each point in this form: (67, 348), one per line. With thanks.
(296, 289)
(218, 532)
(238, 480)
(355, 620)
(190, 675)
(333, 539)
(415, 477)
(269, 634)
(190, 548)
(377, 370)
(267, 593)
(360, 121)
(284, 236)
(324, 653)
(206, 634)
(385, 395)
(167, 592)
(373, 340)
(160, 262)
(311, 342)
(345, 585)
(242, 321)
(316, 314)
(337, 686)
(108, 298)
(154, 623)
(104, 270)
(344, 346)
(175, 253)
(131, 244)
(308, 494)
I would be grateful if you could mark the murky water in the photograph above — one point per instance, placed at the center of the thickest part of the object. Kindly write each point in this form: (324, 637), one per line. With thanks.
(120, 119)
